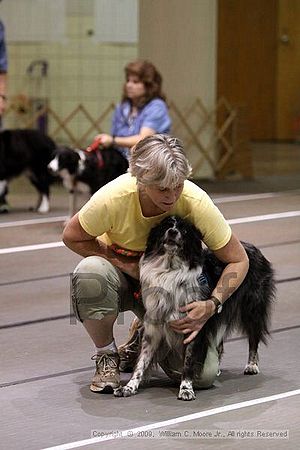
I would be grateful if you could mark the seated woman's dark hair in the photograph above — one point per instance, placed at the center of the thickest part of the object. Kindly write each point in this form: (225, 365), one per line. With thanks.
(149, 76)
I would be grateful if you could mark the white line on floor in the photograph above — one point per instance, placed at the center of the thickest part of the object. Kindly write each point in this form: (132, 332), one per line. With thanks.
(21, 223)
(274, 216)
(283, 215)
(244, 197)
(176, 420)
(28, 248)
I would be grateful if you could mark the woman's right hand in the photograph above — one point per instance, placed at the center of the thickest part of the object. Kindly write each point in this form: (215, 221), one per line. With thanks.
(127, 264)
(132, 268)
(106, 140)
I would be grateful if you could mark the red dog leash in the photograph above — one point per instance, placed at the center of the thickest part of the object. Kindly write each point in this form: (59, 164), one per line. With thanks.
(94, 147)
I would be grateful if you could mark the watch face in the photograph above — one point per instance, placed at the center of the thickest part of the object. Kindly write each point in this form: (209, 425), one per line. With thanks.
(219, 309)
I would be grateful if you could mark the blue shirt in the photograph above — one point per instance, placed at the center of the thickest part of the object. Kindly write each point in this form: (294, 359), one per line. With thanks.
(3, 55)
(153, 115)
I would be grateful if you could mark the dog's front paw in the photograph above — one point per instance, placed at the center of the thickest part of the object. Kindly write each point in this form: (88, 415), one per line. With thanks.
(251, 369)
(186, 394)
(124, 391)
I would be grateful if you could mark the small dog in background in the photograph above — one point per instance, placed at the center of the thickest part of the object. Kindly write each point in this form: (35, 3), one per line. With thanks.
(26, 151)
(83, 171)
(172, 271)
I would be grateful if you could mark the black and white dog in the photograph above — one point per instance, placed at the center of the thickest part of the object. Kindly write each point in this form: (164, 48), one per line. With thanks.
(29, 152)
(172, 271)
(83, 171)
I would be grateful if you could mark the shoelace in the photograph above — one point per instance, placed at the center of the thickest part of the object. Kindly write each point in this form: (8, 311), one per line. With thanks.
(107, 363)
(127, 355)
(126, 349)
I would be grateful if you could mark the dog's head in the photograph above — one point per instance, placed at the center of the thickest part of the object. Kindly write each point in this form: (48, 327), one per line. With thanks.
(67, 159)
(176, 237)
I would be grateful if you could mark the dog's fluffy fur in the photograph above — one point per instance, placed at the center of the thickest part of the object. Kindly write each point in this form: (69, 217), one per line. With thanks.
(26, 151)
(171, 271)
(81, 171)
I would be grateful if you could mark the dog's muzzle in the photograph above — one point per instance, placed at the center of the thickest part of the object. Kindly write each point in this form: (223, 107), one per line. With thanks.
(172, 239)
(53, 165)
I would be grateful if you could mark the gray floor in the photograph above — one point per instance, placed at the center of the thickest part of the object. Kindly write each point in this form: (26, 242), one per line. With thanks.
(45, 356)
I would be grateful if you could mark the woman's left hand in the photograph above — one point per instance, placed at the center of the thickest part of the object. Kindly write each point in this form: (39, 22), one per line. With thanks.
(197, 315)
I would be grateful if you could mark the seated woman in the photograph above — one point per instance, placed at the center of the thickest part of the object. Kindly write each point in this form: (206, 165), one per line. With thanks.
(143, 110)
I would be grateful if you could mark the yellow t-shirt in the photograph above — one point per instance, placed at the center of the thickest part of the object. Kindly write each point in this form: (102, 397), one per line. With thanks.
(114, 213)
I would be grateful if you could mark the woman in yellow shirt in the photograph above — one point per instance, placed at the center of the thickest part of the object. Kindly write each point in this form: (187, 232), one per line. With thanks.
(110, 232)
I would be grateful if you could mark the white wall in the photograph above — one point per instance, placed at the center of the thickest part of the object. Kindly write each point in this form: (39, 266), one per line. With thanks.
(81, 69)
(179, 36)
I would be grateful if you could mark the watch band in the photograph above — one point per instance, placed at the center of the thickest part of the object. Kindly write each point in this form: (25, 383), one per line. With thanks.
(217, 303)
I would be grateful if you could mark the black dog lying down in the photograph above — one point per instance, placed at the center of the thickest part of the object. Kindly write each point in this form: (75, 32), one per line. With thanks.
(29, 152)
(170, 270)
(83, 171)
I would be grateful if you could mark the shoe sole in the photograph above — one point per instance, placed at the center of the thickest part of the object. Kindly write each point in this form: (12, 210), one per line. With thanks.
(108, 389)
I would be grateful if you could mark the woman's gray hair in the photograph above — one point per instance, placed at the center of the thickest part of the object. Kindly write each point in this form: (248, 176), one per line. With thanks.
(159, 160)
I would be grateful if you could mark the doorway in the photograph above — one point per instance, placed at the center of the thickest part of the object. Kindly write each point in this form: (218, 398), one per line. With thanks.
(259, 64)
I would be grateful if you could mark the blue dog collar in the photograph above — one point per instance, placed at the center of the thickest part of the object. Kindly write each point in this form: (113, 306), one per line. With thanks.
(202, 279)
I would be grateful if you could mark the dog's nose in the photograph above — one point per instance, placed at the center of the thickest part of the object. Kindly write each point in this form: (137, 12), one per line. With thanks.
(172, 233)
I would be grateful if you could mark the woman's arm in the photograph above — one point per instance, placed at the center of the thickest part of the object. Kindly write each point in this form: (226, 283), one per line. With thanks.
(82, 243)
(155, 119)
(235, 256)
(107, 140)
(237, 264)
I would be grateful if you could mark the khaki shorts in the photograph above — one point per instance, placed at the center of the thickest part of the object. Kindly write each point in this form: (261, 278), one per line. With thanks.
(100, 289)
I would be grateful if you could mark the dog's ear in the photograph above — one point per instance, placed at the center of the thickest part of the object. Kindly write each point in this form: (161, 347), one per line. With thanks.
(153, 241)
(192, 245)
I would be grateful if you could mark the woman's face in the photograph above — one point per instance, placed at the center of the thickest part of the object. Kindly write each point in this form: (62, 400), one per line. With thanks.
(163, 198)
(135, 89)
